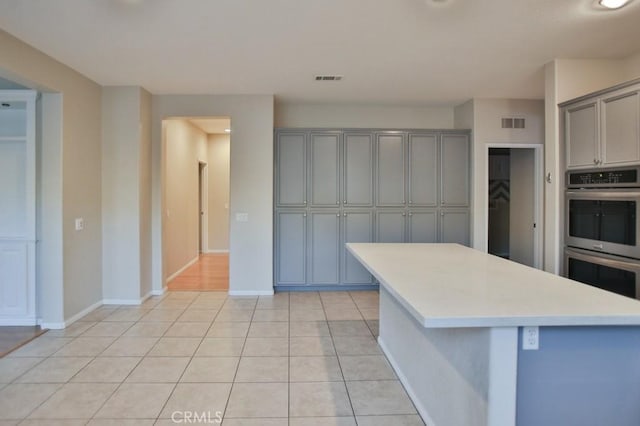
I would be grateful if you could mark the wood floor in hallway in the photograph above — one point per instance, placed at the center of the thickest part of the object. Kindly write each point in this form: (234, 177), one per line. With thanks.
(209, 273)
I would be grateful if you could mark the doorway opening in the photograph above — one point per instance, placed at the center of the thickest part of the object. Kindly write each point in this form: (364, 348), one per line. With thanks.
(514, 202)
(195, 228)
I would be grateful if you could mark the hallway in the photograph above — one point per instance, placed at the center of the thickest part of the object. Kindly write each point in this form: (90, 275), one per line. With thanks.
(209, 273)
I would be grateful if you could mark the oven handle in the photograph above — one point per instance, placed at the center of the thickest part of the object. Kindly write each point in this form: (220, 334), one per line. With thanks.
(604, 259)
(590, 194)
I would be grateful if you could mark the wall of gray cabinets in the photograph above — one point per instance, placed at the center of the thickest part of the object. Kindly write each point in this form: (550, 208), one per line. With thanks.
(338, 186)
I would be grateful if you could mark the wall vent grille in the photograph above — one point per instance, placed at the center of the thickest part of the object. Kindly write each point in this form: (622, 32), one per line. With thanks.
(513, 123)
(328, 77)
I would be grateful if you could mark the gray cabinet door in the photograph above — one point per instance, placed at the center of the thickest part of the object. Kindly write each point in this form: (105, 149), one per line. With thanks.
(423, 170)
(581, 134)
(358, 170)
(357, 228)
(620, 141)
(291, 170)
(324, 247)
(423, 226)
(291, 243)
(390, 182)
(454, 226)
(390, 226)
(454, 170)
(324, 165)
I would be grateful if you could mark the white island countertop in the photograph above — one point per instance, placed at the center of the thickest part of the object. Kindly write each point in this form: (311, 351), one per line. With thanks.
(449, 285)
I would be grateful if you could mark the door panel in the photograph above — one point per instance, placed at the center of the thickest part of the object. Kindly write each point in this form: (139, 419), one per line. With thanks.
(581, 127)
(291, 244)
(454, 166)
(454, 226)
(325, 170)
(291, 170)
(620, 132)
(358, 170)
(391, 170)
(358, 228)
(390, 226)
(522, 206)
(423, 170)
(324, 253)
(423, 226)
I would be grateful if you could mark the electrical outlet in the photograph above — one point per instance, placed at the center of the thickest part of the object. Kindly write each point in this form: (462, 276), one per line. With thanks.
(530, 338)
(79, 224)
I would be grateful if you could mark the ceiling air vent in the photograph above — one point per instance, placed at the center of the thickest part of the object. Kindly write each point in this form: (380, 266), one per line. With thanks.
(328, 77)
(513, 123)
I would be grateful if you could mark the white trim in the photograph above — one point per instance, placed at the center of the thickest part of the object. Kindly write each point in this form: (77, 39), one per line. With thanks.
(251, 292)
(216, 251)
(158, 292)
(181, 270)
(203, 188)
(122, 301)
(407, 385)
(538, 206)
(76, 317)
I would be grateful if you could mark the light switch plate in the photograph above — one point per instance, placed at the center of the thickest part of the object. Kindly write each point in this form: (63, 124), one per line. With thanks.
(242, 217)
(79, 224)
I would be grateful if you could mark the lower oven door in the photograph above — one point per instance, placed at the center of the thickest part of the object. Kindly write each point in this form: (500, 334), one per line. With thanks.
(612, 273)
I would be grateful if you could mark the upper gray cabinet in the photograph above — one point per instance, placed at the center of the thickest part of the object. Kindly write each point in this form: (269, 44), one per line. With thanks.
(423, 170)
(581, 127)
(358, 170)
(390, 182)
(603, 130)
(454, 170)
(620, 135)
(291, 170)
(324, 165)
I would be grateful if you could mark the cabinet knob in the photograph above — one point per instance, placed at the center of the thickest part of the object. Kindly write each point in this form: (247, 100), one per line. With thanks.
(304, 215)
(410, 214)
(337, 214)
(344, 214)
(305, 201)
(595, 161)
(404, 214)
(344, 201)
(410, 201)
(442, 202)
(337, 202)
(441, 213)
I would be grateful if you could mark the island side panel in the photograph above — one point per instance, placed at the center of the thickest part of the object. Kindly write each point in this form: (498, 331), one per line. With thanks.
(581, 376)
(445, 370)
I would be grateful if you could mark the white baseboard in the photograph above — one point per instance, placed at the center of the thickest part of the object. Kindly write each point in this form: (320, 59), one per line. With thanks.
(122, 301)
(181, 270)
(68, 322)
(403, 379)
(216, 251)
(251, 292)
(18, 321)
(158, 292)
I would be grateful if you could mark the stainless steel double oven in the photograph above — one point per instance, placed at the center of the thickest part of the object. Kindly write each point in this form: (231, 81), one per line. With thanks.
(602, 227)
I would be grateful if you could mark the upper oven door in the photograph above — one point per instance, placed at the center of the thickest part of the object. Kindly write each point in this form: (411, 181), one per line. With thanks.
(604, 221)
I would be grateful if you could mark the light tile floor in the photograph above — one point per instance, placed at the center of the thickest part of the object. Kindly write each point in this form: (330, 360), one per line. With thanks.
(294, 359)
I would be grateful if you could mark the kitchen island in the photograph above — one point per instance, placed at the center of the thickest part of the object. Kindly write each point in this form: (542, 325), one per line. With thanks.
(451, 324)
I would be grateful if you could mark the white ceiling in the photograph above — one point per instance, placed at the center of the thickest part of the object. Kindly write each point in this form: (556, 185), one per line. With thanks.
(410, 52)
(212, 126)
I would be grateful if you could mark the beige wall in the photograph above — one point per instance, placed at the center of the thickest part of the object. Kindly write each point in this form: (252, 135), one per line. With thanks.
(80, 180)
(251, 182)
(126, 189)
(362, 116)
(185, 147)
(484, 116)
(218, 154)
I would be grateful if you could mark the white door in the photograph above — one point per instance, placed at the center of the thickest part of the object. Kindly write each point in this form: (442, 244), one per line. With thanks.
(17, 214)
(522, 206)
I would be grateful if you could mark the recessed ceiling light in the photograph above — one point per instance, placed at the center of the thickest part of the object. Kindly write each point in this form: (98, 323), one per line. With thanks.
(613, 4)
(227, 130)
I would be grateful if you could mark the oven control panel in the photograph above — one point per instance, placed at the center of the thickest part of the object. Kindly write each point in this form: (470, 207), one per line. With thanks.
(600, 178)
